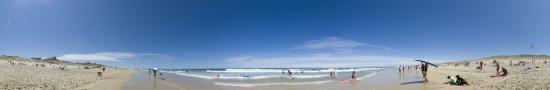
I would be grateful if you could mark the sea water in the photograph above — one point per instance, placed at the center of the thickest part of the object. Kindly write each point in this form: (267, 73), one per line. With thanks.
(274, 76)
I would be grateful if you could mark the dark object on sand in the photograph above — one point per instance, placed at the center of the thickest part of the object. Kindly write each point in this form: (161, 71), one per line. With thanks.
(99, 74)
(504, 72)
(426, 62)
(461, 81)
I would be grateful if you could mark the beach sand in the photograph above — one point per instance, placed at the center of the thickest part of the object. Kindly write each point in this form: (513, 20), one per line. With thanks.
(519, 78)
(50, 77)
(389, 79)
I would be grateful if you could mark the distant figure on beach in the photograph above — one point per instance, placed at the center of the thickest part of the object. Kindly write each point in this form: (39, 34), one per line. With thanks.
(283, 72)
(332, 73)
(481, 65)
(353, 75)
(289, 74)
(399, 69)
(155, 72)
(103, 69)
(302, 71)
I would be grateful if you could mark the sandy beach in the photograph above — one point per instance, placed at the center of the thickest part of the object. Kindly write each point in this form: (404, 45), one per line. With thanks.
(389, 79)
(31, 75)
(24, 75)
(519, 78)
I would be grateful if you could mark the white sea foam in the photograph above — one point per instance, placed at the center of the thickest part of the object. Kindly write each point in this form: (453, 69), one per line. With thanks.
(253, 77)
(285, 70)
(366, 76)
(268, 84)
(193, 75)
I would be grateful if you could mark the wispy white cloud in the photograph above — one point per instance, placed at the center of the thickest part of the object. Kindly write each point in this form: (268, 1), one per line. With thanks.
(319, 60)
(115, 56)
(343, 54)
(191, 53)
(337, 44)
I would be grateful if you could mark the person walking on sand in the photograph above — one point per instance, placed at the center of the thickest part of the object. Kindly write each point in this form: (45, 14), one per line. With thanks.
(424, 68)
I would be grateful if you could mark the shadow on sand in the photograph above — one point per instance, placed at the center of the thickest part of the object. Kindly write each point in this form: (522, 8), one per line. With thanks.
(412, 82)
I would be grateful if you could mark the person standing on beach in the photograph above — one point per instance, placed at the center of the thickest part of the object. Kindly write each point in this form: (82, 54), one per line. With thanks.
(155, 72)
(481, 65)
(498, 67)
(103, 69)
(424, 68)
(399, 69)
(289, 74)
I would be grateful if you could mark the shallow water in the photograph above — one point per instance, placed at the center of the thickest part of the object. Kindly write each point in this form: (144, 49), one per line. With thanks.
(273, 76)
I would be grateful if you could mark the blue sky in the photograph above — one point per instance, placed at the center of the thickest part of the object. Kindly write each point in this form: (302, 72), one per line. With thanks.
(271, 33)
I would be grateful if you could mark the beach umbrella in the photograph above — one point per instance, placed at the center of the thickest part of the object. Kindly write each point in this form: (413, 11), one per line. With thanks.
(426, 62)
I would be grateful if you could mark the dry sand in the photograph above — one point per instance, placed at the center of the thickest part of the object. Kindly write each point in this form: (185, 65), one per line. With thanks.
(518, 79)
(50, 77)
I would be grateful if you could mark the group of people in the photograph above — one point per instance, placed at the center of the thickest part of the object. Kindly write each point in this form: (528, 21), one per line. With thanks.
(501, 71)
(332, 74)
(403, 68)
(423, 69)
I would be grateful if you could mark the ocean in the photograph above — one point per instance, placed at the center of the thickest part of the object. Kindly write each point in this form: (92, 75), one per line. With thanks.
(248, 77)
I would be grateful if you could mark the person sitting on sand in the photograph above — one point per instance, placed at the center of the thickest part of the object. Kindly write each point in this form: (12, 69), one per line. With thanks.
(461, 81)
(452, 80)
(504, 72)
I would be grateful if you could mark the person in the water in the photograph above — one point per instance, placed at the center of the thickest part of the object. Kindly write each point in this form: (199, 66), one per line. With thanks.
(353, 75)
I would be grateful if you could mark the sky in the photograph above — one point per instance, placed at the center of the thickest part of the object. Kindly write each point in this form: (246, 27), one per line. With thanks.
(272, 33)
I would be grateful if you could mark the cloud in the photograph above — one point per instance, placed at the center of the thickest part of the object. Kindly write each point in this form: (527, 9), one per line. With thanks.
(343, 54)
(336, 44)
(115, 56)
(319, 60)
(191, 53)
